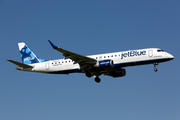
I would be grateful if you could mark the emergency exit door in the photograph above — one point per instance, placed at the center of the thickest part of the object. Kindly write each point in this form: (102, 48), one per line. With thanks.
(47, 65)
(150, 53)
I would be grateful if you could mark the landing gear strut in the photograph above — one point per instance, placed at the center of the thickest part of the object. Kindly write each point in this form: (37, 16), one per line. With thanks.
(97, 79)
(155, 69)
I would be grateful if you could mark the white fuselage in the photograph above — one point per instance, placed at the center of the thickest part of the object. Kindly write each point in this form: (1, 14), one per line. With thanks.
(120, 59)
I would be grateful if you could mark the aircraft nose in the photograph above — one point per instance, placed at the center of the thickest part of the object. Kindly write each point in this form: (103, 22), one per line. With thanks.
(170, 56)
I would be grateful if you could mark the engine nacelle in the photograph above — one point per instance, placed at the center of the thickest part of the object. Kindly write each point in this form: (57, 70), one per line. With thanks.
(104, 64)
(118, 73)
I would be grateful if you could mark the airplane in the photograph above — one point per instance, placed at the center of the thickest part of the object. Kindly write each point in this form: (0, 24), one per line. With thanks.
(110, 64)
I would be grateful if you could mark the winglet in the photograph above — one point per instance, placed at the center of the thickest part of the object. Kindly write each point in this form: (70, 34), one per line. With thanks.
(55, 47)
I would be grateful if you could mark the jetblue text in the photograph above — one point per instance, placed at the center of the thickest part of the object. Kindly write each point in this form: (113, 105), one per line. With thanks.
(133, 53)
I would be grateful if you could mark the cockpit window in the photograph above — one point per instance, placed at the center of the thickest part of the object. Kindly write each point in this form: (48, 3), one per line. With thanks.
(160, 51)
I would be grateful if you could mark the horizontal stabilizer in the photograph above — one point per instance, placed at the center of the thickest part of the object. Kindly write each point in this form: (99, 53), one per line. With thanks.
(20, 64)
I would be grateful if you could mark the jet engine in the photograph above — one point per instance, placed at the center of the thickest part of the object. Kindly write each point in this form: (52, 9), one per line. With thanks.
(117, 73)
(104, 64)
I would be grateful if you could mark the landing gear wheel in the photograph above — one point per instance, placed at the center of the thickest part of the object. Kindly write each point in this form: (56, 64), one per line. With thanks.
(97, 79)
(88, 74)
(155, 69)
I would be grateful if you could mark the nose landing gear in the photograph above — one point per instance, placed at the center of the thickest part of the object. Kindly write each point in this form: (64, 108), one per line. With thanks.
(155, 69)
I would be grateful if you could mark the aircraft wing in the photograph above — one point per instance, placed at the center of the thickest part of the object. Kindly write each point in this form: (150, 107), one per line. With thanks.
(20, 64)
(82, 60)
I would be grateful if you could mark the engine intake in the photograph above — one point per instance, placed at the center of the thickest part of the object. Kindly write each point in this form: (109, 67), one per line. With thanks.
(104, 64)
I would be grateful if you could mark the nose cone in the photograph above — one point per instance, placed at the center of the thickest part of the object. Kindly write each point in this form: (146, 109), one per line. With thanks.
(170, 56)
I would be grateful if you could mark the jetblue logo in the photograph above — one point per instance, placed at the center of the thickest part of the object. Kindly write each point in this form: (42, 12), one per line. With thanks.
(29, 58)
(133, 53)
(104, 62)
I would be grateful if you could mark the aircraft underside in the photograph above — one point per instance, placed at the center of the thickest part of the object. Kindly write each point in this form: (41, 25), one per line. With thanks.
(96, 72)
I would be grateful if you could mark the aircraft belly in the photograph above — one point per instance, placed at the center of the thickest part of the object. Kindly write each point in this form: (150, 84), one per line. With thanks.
(64, 69)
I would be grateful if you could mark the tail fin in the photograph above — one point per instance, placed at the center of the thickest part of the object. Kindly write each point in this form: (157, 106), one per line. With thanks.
(28, 57)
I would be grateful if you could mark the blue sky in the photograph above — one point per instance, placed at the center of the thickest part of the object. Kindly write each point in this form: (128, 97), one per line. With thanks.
(86, 28)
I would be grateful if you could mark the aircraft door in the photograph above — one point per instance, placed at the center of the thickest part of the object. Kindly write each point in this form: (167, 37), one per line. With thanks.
(150, 53)
(47, 66)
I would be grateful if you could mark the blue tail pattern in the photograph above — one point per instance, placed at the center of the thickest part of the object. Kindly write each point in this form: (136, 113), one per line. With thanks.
(28, 57)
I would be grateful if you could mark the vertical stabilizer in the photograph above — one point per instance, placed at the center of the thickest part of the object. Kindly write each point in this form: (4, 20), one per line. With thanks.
(28, 57)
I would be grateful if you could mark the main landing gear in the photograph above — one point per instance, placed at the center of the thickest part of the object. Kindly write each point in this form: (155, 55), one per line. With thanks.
(155, 69)
(88, 74)
(97, 79)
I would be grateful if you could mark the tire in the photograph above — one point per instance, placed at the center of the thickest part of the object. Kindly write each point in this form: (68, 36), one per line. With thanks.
(97, 79)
